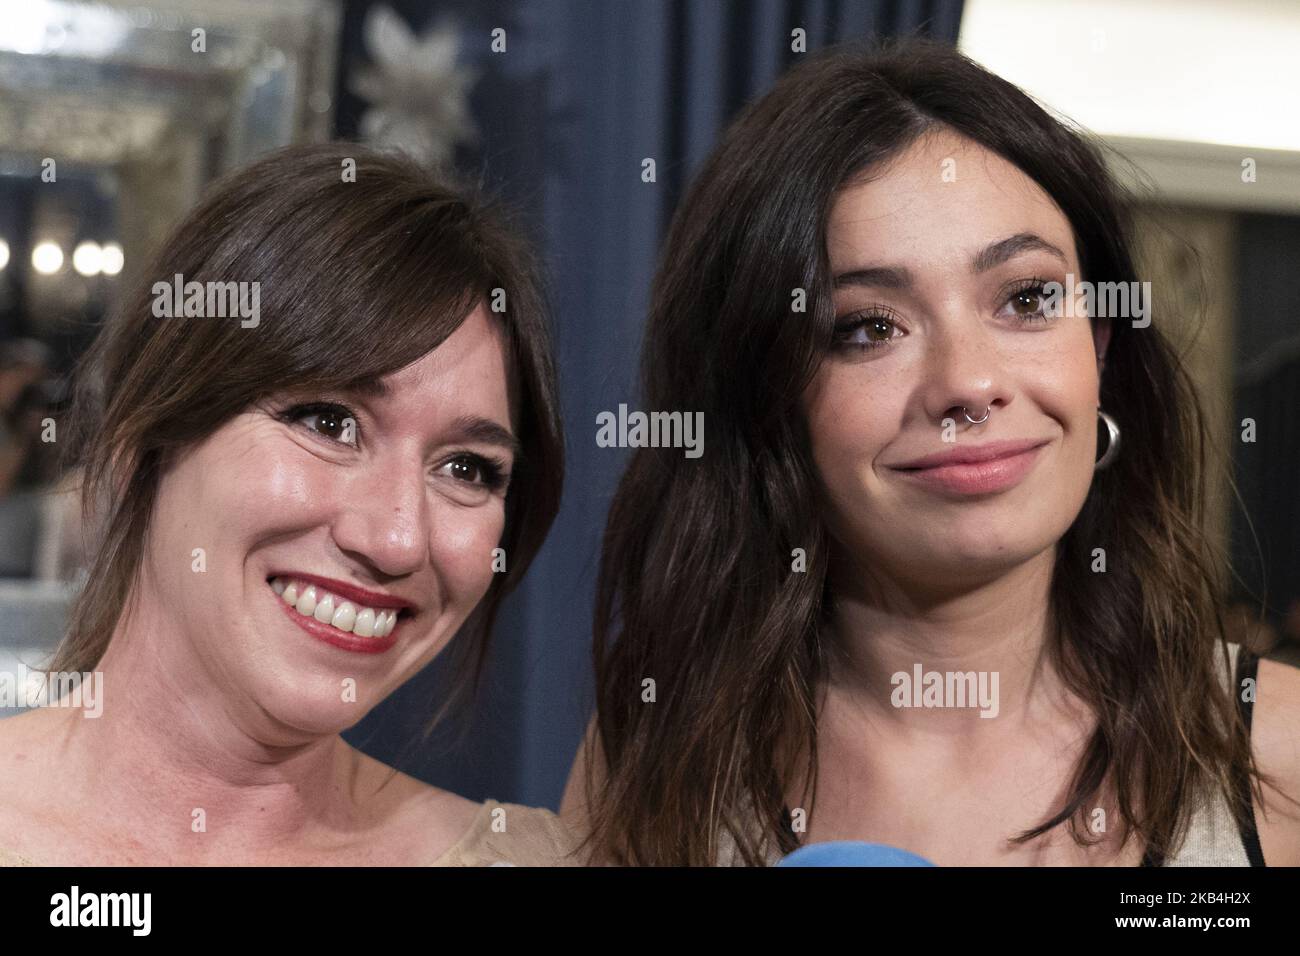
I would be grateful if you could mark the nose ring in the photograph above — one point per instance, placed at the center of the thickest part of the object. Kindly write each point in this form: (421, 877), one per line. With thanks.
(976, 421)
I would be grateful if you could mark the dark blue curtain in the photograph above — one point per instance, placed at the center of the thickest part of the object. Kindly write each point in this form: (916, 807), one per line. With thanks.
(586, 90)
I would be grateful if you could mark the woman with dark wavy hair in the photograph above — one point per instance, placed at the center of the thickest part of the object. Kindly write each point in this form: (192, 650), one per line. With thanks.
(320, 440)
(905, 597)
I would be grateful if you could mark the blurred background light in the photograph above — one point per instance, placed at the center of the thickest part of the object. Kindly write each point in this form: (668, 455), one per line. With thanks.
(111, 259)
(47, 258)
(88, 258)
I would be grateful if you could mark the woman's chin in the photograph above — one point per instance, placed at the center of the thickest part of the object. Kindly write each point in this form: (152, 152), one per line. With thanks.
(970, 559)
(312, 707)
(320, 718)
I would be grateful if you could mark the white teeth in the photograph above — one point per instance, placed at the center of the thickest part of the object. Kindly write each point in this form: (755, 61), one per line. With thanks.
(325, 609)
(307, 603)
(310, 601)
(365, 623)
(344, 617)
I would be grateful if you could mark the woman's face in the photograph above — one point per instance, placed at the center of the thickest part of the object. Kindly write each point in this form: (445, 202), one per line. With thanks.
(393, 493)
(935, 310)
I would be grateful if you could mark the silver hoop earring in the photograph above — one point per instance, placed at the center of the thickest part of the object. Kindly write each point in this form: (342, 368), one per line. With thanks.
(1112, 444)
(976, 421)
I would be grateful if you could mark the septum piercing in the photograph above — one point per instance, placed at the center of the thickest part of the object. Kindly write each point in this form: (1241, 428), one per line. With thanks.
(976, 421)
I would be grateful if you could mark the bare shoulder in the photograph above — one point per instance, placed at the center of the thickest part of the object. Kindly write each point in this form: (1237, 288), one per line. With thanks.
(588, 770)
(29, 806)
(573, 805)
(23, 728)
(1275, 738)
(28, 742)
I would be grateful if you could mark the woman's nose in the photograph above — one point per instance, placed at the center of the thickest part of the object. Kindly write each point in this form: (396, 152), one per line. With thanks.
(387, 521)
(963, 373)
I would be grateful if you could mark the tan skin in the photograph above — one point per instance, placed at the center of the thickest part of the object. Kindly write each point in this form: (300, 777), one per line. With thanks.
(239, 714)
(960, 583)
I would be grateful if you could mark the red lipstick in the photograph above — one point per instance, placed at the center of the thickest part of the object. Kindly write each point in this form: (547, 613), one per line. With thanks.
(352, 592)
(341, 639)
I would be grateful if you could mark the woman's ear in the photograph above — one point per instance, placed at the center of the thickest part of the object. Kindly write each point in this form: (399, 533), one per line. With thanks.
(1100, 339)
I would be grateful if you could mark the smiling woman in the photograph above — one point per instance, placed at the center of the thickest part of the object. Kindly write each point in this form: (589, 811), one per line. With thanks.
(904, 478)
(295, 516)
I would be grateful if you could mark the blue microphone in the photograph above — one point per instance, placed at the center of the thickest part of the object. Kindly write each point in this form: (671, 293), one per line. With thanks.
(852, 853)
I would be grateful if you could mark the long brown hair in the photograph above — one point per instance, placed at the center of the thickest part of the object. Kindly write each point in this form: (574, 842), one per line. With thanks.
(696, 589)
(382, 266)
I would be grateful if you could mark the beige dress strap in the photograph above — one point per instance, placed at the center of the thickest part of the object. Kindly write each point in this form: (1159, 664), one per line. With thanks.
(1212, 837)
(510, 834)
(8, 858)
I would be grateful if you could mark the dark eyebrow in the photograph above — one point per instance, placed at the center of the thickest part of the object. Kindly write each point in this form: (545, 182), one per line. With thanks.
(997, 253)
(370, 388)
(474, 428)
(994, 254)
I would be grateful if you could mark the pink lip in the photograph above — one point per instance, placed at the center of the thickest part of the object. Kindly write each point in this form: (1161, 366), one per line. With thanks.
(971, 454)
(983, 469)
(355, 594)
(332, 635)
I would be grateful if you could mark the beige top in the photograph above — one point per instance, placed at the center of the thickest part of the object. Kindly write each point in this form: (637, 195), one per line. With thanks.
(1213, 838)
(502, 834)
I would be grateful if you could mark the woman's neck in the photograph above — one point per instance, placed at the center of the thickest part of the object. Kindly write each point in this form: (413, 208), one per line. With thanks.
(188, 769)
(968, 662)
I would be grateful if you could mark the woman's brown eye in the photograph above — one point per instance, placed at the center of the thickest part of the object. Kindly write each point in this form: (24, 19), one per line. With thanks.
(865, 332)
(872, 332)
(331, 425)
(480, 472)
(881, 327)
(1028, 302)
(327, 420)
(464, 470)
